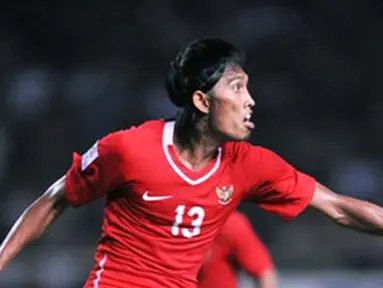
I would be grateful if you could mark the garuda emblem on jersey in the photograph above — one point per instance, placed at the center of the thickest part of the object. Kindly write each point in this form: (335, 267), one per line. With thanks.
(224, 194)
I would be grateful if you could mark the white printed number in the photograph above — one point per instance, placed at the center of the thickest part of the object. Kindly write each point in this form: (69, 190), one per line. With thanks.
(196, 213)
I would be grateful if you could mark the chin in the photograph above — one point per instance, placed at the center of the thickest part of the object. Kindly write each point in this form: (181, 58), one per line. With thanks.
(238, 134)
(239, 137)
(244, 138)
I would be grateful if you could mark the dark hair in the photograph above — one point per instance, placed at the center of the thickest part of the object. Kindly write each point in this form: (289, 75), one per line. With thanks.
(199, 66)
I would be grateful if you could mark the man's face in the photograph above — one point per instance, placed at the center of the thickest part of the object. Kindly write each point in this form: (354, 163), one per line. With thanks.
(231, 105)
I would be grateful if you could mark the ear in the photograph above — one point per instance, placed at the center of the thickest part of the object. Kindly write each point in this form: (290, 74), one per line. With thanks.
(201, 101)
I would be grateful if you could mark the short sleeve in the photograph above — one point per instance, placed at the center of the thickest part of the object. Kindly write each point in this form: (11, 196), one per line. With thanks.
(249, 251)
(272, 183)
(98, 171)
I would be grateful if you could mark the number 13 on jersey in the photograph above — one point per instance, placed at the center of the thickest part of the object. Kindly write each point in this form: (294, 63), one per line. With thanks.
(197, 214)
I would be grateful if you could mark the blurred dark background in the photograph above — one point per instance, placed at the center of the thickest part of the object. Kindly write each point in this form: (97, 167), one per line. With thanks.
(73, 71)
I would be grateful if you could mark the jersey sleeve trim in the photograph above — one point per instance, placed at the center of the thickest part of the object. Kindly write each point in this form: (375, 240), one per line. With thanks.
(70, 186)
(309, 185)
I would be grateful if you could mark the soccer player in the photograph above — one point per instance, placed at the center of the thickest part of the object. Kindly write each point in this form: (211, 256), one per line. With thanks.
(170, 185)
(237, 247)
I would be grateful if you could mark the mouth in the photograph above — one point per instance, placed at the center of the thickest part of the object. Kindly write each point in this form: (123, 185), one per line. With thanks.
(247, 121)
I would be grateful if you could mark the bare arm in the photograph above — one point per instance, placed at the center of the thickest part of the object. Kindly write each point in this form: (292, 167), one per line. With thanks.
(349, 212)
(268, 279)
(33, 221)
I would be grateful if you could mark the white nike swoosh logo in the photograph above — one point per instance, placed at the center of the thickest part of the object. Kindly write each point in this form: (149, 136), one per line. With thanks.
(146, 197)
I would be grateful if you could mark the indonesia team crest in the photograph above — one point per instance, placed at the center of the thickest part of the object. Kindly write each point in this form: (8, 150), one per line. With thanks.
(224, 194)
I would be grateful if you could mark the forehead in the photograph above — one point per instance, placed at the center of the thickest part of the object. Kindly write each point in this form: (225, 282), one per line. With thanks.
(233, 72)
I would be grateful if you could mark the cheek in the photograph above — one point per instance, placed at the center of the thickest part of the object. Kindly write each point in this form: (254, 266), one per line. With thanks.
(226, 116)
(229, 104)
(225, 111)
(232, 109)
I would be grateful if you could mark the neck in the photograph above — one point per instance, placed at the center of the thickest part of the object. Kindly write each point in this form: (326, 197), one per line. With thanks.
(194, 142)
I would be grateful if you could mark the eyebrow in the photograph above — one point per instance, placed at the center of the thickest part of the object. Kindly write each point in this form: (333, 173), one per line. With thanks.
(236, 77)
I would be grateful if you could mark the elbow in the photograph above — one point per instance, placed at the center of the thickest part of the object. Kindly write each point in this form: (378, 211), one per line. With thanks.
(44, 205)
(51, 206)
(348, 212)
(39, 215)
(338, 212)
(341, 220)
(333, 205)
(54, 198)
(359, 215)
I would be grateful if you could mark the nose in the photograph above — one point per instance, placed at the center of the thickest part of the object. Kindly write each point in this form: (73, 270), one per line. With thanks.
(250, 102)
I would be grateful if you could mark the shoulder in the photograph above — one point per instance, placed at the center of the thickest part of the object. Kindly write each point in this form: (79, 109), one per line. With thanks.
(133, 136)
(240, 151)
(121, 145)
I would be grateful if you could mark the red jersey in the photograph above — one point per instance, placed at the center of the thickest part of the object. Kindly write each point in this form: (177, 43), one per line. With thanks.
(236, 247)
(160, 217)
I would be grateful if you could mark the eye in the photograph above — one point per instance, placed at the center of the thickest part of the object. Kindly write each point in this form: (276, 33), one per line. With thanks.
(237, 86)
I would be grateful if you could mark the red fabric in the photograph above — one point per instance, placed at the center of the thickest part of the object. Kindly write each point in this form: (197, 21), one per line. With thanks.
(157, 226)
(273, 184)
(236, 246)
